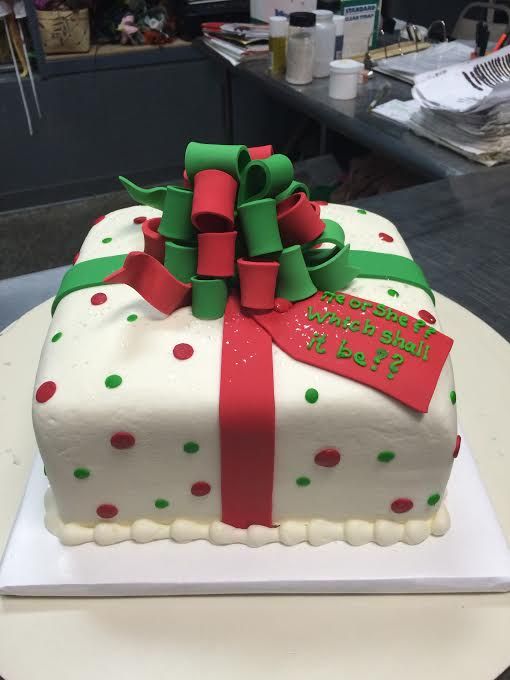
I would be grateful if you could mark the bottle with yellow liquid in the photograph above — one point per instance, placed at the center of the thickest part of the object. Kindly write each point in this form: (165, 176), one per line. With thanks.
(278, 32)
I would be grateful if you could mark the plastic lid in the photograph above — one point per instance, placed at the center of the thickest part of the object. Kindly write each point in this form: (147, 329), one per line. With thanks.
(345, 66)
(303, 19)
(323, 15)
(278, 27)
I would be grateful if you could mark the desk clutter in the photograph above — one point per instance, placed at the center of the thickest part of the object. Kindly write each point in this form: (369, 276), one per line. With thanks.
(465, 107)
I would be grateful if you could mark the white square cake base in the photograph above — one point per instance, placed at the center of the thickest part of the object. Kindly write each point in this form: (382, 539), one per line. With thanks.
(472, 557)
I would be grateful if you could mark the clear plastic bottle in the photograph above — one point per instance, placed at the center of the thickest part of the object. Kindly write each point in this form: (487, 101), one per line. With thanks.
(300, 48)
(278, 32)
(324, 43)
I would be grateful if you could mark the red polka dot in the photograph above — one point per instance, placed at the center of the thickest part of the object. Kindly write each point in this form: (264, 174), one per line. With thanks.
(76, 257)
(106, 510)
(282, 305)
(327, 457)
(45, 391)
(385, 237)
(98, 219)
(122, 440)
(183, 351)
(139, 220)
(402, 505)
(200, 489)
(426, 316)
(98, 299)
(457, 446)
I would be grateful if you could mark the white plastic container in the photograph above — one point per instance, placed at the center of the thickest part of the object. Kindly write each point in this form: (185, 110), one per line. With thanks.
(324, 42)
(344, 78)
(339, 21)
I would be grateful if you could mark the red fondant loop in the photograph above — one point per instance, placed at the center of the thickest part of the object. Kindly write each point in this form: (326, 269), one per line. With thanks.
(258, 283)
(154, 243)
(258, 153)
(153, 282)
(298, 220)
(187, 182)
(216, 254)
(214, 198)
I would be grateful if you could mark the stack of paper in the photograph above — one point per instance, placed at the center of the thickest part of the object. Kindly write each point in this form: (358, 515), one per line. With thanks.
(465, 107)
(237, 42)
(407, 66)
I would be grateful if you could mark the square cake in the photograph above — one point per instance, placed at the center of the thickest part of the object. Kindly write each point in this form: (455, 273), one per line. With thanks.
(231, 361)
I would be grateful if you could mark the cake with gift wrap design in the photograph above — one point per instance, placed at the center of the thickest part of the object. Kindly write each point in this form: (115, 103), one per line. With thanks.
(229, 360)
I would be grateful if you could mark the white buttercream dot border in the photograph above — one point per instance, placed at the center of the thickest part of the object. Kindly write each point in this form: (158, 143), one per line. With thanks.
(316, 532)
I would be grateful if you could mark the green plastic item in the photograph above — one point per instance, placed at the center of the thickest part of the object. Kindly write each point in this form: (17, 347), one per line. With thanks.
(293, 188)
(176, 219)
(259, 225)
(333, 233)
(265, 178)
(294, 282)
(181, 261)
(336, 272)
(390, 267)
(208, 297)
(87, 274)
(231, 158)
(155, 198)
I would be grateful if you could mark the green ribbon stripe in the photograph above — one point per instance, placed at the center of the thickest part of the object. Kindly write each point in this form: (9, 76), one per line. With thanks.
(371, 265)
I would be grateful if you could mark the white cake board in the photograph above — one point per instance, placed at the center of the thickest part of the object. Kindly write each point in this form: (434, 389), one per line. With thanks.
(472, 557)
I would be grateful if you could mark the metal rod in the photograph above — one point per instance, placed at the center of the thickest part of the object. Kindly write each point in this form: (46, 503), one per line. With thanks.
(18, 78)
(29, 67)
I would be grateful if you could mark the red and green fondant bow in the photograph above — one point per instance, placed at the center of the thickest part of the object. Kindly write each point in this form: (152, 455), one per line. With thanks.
(241, 234)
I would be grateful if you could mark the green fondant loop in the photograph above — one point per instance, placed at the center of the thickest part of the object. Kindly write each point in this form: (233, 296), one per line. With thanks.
(333, 233)
(294, 282)
(176, 219)
(259, 226)
(154, 198)
(391, 267)
(230, 158)
(293, 188)
(87, 274)
(336, 272)
(181, 261)
(208, 297)
(265, 178)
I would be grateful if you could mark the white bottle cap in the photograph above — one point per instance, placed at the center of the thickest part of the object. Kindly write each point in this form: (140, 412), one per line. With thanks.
(345, 66)
(323, 15)
(339, 21)
(278, 27)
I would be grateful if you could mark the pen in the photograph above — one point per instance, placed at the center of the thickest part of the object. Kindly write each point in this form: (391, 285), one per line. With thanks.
(502, 39)
(482, 38)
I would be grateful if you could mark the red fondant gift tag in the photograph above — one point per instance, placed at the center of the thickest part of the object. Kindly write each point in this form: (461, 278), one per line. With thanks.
(363, 340)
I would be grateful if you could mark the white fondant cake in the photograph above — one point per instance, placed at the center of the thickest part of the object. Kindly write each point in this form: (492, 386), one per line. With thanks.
(130, 435)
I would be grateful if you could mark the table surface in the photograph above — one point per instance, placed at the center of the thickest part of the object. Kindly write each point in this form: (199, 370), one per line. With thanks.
(450, 636)
(352, 118)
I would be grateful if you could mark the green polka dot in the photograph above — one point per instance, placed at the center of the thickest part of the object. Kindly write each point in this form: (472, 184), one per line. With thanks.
(81, 473)
(191, 447)
(311, 395)
(161, 503)
(432, 500)
(132, 317)
(453, 397)
(392, 292)
(113, 381)
(108, 239)
(361, 211)
(385, 456)
(56, 337)
(303, 481)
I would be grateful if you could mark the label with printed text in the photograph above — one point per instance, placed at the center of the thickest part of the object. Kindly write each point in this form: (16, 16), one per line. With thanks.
(365, 341)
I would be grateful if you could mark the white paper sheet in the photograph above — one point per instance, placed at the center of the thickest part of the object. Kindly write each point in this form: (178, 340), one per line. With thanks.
(472, 557)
